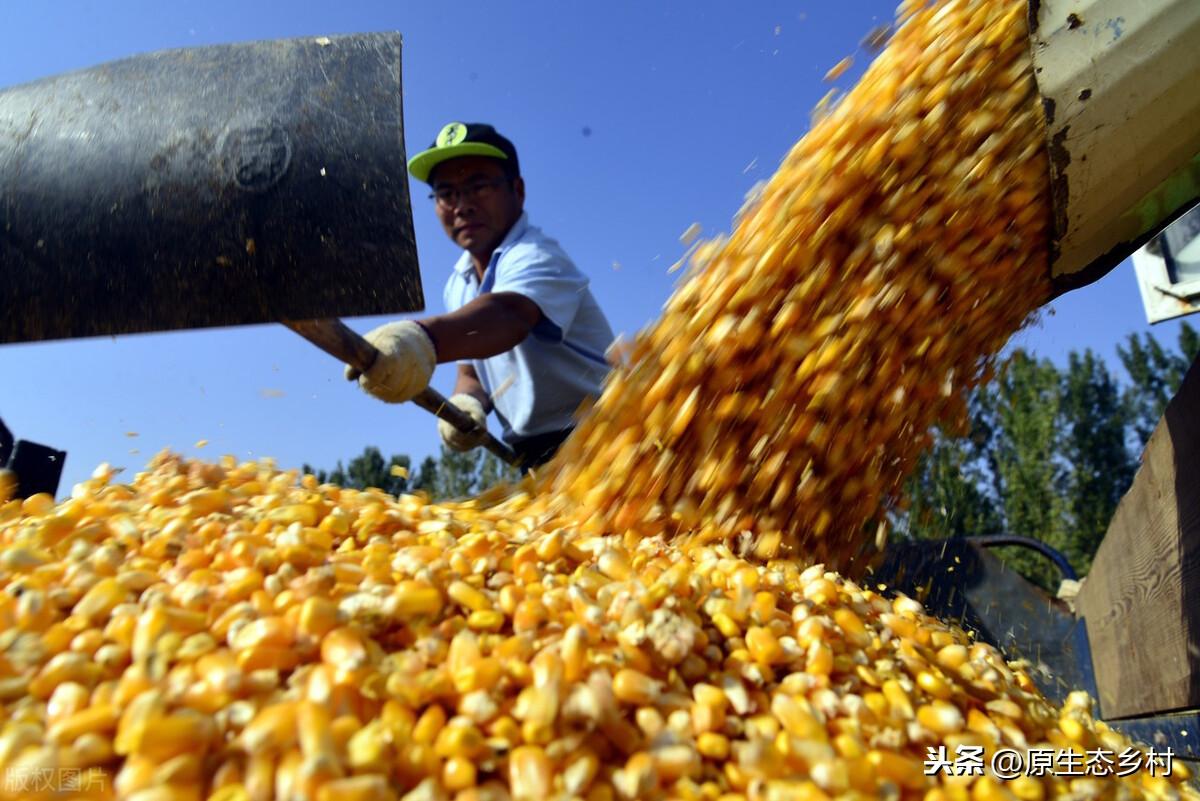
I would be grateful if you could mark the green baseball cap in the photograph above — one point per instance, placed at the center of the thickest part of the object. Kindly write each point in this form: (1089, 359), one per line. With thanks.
(458, 139)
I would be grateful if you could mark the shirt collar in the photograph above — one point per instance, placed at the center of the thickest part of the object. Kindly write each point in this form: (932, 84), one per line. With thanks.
(464, 265)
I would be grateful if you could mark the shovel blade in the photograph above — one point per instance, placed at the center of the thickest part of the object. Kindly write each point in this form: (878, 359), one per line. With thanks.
(211, 186)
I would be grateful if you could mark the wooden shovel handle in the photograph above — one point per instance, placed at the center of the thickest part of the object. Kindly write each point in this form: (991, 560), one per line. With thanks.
(338, 340)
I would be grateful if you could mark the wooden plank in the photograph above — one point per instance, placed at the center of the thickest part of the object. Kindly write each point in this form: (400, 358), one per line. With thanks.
(1141, 600)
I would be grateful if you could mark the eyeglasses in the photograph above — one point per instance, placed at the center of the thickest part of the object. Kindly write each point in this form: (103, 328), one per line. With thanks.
(448, 197)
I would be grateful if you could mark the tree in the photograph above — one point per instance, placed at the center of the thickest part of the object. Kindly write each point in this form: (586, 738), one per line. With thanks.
(368, 469)
(451, 475)
(1005, 474)
(1049, 452)
(1099, 467)
(457, 474)
(460, 475)
(948, 494)
(1156, 375)
(493, 472)
(426, 479)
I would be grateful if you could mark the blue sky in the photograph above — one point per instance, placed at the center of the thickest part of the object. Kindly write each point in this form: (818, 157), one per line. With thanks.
(633, 121)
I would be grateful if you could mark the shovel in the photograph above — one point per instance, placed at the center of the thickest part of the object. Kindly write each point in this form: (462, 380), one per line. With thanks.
(213, 186)
(336, 339)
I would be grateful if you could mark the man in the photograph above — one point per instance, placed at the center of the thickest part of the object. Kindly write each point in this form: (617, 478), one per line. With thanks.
(529, 338)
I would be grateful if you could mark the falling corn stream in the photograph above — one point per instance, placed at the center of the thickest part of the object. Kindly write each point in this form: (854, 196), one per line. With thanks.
(657, 614)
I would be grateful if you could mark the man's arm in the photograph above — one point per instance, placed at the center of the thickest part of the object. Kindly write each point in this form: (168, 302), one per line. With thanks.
(487, 326)
(468, 383)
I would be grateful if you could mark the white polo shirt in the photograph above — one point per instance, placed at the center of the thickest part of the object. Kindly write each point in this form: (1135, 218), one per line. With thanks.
(537, 386)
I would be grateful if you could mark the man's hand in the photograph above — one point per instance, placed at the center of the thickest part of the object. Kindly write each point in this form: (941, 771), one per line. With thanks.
(458, 440)
(404, 366)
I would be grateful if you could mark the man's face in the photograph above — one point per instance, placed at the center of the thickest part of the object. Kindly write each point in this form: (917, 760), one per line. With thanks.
(477, 203)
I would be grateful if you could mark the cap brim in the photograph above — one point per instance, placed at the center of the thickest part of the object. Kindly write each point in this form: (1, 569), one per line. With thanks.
(423, 163)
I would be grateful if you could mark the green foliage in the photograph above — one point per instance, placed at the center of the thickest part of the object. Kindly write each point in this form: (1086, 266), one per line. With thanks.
(368, 469)
(450, 475)
(1024, 410)
(948, 492)
(493, 471)
(1099, 466)
(1049, 452)
(1028, 479)
(457, 473)
(1155, 375)
(427, 476)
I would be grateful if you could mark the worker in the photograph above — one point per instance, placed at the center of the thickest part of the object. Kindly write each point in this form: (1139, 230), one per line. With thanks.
(529, 339)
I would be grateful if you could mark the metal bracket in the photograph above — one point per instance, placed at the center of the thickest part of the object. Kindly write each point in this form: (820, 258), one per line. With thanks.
(38, 468)
(1183, 291)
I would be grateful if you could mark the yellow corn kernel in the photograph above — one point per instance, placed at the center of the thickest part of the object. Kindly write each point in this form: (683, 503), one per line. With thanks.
(66, 700)
(1073, 729)
(904, 771)
(177, 734)
(96, 720)
(941, 717)
(797, 718)
(726, 625)
(506, 729)
(468, 597)
(267, 657)
(615, 565)
(650, 721)
(230, 792)
(345, 648)
(530, 773)
(852, 626)
(580, 771)
(898, 700)
(819, 660)
(1027, 788)
(429, 725)
(267, 631)
(100, 600)
(317, 617)
(764, 646)
(64, 667)
(416, 598)
(40, 503)
(529, 614)
(633, 687)
(638, 777)
(953, 656)
(136, 774)
(458, 774)
(934, 684)
(458, 739)
(272, 730)
(488, 620)
(713, 746)
(672, 762)
(839, 69)
(821, 591)
(315, 731)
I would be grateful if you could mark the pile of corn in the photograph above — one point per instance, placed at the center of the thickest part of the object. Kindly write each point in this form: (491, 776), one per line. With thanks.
(234, 632)
(789, 386)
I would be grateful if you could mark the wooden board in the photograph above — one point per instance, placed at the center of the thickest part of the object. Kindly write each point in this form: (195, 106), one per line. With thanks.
(1141, 601)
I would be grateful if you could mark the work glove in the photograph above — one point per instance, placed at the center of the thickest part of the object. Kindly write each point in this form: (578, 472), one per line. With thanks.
(458, 440)
(404, 365)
